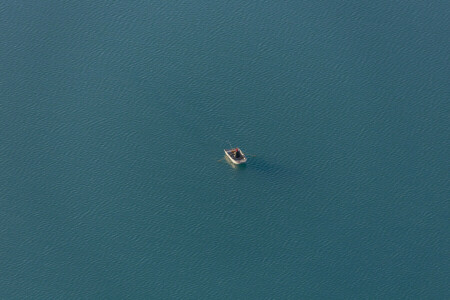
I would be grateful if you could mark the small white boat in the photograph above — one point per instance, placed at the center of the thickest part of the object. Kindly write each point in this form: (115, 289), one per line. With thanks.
(236, 156)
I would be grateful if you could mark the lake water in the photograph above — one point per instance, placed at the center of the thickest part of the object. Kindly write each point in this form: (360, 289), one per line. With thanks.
(114, 116)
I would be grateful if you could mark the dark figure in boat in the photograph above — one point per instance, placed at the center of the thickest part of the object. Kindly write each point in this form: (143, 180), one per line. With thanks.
(237, 154)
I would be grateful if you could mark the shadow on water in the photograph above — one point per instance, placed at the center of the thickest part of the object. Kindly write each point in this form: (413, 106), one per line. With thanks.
(272, 171)
(275, 171)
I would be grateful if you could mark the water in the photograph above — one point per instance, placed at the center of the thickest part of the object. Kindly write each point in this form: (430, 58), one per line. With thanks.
(114, 116)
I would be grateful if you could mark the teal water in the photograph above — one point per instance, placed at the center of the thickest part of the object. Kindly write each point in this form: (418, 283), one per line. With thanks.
(114, 116)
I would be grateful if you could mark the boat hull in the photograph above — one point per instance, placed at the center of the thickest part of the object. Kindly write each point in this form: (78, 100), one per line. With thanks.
(237, 161)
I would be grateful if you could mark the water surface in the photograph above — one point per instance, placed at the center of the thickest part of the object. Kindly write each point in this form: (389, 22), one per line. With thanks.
(114, 116)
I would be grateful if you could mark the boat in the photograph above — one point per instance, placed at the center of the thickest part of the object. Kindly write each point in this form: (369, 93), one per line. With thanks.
(236, 156)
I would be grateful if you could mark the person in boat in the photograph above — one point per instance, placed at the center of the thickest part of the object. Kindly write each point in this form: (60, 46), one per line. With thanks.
(237, 154)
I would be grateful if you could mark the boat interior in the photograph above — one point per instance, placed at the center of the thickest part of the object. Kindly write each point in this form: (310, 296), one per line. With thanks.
(235, 155)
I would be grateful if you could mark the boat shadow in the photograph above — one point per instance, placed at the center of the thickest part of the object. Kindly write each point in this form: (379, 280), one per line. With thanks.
(276, 171)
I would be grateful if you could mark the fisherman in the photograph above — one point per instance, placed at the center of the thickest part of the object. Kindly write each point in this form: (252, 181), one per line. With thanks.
(237, 153)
